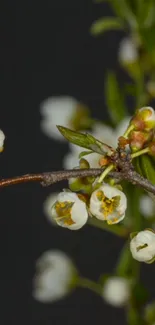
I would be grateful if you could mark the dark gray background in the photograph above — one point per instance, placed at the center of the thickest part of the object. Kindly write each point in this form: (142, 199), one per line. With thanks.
(46, 50)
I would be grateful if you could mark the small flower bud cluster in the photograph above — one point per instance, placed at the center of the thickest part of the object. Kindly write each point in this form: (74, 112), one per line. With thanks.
(142, 129)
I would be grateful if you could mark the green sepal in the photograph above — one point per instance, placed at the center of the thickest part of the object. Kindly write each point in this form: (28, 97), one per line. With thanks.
(114, 99)
(133, 234)
(103, 279)
(85, 140)
(105, 24)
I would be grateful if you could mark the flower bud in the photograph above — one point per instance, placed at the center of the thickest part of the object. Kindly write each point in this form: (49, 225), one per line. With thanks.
(55, 274)
(142, 246)
(116, 291)
(70, 211)
(108, 203)
(128, 53)
(144, 119)
(2, 138)
(138, 139)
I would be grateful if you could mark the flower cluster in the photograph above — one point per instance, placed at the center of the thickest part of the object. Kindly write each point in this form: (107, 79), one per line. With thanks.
(102, 198)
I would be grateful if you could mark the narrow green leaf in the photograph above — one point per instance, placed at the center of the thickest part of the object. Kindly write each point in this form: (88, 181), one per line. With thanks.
(85, 153)
(105, 24)
(86, 141)
(148, 167)
(114, 98)
(147, 35)
(124, 10)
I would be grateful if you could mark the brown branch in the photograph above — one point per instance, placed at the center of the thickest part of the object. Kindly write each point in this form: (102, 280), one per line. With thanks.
(49, 178)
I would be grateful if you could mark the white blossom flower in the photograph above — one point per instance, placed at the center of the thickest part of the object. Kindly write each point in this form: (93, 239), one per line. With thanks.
(2, 138)
(128, 52)
(70, 211)
(147, 206)
(142, 246)
(116, 291)
(108, 203)
(47, 206)
(63, 110)
(54, 274)
(101, 132)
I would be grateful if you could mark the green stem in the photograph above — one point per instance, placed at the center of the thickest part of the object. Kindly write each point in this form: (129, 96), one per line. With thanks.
(139, 153)
(89, 284)
(105, 173)
(118, 230)
(129, 129)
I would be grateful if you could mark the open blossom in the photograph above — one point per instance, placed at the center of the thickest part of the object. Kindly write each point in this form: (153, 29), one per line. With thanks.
(116, 291)
(101, 132)
(142, 246)
(128, 52)
(63, 110)
(54, 274)
(70, 210)
(108, 203)
(2, 138)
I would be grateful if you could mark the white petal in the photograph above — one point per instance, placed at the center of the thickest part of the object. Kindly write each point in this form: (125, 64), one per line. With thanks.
(57, 111)
(2, 138)
(54, 274)
(47, 206)
(147, 206)
(116, 291)
(127, 51)
(79, 215)
(105, 134)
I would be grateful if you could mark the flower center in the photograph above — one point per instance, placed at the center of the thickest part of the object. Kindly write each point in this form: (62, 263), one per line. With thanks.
(108, 206)
(63, 210)
(141, 247)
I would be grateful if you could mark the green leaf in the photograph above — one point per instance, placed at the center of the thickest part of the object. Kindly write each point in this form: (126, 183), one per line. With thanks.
(86, 141)
(114, 98)
(147, 35)
(105, 24)
(85, 153)
(146, 13)
(147, 167)
(124, 10)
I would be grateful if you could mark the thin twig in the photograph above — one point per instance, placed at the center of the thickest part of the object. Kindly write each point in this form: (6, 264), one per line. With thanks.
(49, 178)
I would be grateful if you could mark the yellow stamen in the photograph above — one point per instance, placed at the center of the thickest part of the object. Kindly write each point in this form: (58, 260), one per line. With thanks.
(108, 206)
(63, 210)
